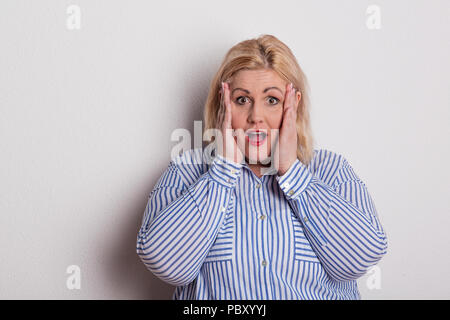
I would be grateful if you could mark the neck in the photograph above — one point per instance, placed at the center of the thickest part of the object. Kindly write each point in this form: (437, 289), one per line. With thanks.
(256, 168)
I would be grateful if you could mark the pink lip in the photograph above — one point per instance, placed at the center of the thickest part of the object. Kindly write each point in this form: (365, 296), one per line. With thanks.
(257, 142)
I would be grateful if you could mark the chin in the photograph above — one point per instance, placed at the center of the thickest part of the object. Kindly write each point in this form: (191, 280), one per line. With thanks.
(261, 157)
(256, 155)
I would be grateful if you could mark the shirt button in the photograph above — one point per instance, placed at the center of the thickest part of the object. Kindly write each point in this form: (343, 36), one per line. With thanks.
(258, 186)
(264, 263)
(262, 217)
(291, 192)
(223, 209)
(306, 219)
(285, 185)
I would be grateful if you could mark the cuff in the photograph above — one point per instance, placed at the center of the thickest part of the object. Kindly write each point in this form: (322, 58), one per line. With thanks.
(295, 180)
(224, 171)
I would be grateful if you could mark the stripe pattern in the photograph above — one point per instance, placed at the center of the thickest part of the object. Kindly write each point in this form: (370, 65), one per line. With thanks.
(215, 230)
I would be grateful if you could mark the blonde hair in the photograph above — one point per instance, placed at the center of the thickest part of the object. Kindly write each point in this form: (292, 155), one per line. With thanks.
(264, 52)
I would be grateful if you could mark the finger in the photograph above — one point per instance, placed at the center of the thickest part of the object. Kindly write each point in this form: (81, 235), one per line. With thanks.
(227, 105)
(222, 106)
(292, 96)
(223, 110)
(286, 97)
(294, 103)
(288, 104)
(296, 92)
(220, 111)
(289, 100)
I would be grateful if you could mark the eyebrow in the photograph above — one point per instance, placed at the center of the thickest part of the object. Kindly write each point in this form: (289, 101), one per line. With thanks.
(265, 90)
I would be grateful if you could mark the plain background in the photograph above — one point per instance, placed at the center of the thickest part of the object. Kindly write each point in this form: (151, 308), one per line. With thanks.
(86, 118)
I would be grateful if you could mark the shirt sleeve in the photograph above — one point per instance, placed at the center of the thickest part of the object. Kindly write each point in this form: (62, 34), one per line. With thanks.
(181, 221)
(340, 221)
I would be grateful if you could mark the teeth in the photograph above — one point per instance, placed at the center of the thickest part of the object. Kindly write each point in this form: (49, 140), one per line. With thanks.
(260, 134)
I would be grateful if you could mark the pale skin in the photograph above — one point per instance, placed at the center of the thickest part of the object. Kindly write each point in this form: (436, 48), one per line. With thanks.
(250, 105)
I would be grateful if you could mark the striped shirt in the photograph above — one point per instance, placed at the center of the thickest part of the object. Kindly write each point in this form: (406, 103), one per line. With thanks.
(215, 230)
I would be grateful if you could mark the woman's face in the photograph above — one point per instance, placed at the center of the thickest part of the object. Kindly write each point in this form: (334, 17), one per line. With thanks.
(257, 98)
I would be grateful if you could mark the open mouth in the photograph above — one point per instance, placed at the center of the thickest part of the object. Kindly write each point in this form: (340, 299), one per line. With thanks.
(256, 137)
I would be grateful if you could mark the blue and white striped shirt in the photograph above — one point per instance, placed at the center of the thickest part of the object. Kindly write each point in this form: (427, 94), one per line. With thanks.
(217, 231)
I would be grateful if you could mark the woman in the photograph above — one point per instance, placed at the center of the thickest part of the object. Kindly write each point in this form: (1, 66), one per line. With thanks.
(270, 217)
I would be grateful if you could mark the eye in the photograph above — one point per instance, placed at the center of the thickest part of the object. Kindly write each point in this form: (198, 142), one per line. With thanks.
(242, 100)
(239, 100)
(273, 99)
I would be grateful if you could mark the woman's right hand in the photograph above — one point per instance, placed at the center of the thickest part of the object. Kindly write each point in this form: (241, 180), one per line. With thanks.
(230, 149)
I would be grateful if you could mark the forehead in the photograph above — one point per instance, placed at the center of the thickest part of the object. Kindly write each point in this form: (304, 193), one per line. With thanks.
(257, 78)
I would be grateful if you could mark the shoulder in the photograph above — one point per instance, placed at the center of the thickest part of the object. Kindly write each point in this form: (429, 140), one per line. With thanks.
(328, 165)
(326, 157)
(191, 164)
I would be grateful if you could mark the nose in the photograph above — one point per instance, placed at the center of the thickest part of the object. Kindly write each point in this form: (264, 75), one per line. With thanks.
(256, 114)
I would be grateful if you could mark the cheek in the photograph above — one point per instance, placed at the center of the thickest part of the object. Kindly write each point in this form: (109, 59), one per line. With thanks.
(238, 119)
(276, 120)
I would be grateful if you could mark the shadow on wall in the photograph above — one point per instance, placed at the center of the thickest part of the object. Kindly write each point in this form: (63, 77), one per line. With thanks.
(125, 268)
(130, 276)
(124, 271)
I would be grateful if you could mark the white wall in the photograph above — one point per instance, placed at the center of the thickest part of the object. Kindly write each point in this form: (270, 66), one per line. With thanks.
(86, 117)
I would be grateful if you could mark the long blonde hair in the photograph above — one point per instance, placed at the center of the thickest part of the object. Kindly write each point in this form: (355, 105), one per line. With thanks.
(264, 52)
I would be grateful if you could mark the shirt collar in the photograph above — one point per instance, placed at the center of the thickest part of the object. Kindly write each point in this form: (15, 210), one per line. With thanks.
(268, 171)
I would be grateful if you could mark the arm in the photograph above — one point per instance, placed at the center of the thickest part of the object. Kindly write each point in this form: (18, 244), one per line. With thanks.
(339, 218)
(181, 222)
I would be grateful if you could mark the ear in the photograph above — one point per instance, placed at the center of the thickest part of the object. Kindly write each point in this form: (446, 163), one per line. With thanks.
(298, 97)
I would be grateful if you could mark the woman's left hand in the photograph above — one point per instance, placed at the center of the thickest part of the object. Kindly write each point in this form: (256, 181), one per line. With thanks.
(286, 150)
